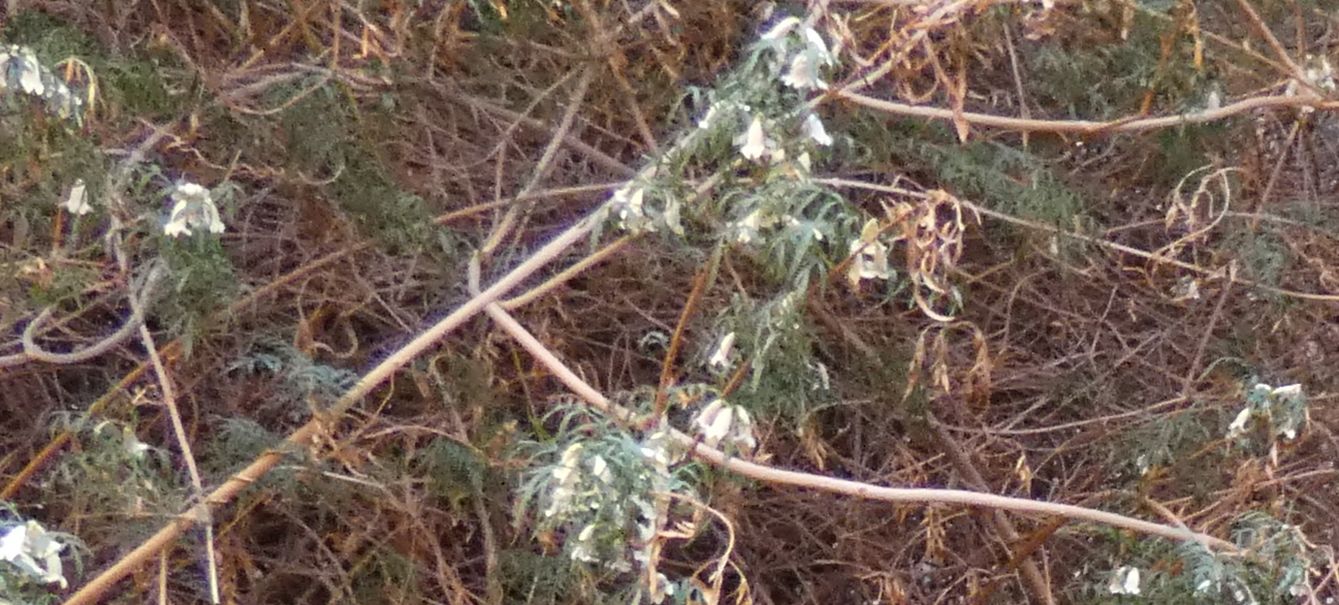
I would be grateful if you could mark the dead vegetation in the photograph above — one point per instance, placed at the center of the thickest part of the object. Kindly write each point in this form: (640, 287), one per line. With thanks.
(1102, 224)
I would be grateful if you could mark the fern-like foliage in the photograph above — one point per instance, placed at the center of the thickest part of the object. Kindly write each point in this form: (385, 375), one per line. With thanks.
(301, 375)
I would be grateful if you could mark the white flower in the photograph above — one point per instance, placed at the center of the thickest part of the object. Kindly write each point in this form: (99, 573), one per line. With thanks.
(571, 456)
(583, 550)
(656, 448)
(713, 421)
(630, 203)
(797, 223)
(568, 474)
(781, 29)
(805, 162)
(803, 74)
(631, 211)
(721, 357)
(30, 73)
(1238, 426)
(11, 544)
(600, 469)
(813, 127)
(815, 45)
(749, 227)
(1213, 100)
(30, 548)
(1124, 581)
(193, 208)
(754, 141)
(720, 422)
(77, 201)
(133, 446)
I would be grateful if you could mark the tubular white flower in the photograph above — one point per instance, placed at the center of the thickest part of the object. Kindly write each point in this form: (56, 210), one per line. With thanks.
(713, 421)
(600, 469)
(30, 74)
(805, 162)
(1238, 426)
(628, 201)
(803, 74)
(568, 475)
(815, 46)
(77, 201)
(1292, 390)
(11, 544)
(742, 434)
(720, 422)
(720, 358)
(813, 127)
(748, 227)
(193, 208)
(656, 448)
(1124, 581)
(754, 141)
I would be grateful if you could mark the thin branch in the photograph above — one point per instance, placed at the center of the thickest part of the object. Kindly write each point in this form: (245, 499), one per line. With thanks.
(857, 489)
(1274, 44)
(184, 442)
(1090, 127)
(34, 352)
(96, 588)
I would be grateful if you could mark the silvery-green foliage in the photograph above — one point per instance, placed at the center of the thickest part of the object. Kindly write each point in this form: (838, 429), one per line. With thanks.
(300, 374)
(774, 336)
(113, 470)
(1270, 568)
(756, 131)
(603, 488)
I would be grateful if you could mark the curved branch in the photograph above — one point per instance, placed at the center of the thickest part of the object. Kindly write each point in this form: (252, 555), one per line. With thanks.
(32, 351)
(200, 512)
(769, 474)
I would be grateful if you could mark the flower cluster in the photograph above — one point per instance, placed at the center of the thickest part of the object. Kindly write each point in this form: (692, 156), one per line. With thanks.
(572, 488)
(22, 72)
(1125, 581)
(1282, 408)
(811, 54)
(34, 552)
(722, 423)
(759, 220)
(580, 483)
(612, 496)
(627, 202)
(192, 208)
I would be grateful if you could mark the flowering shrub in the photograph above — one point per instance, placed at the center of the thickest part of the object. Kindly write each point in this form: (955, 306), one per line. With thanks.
(610, 493)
